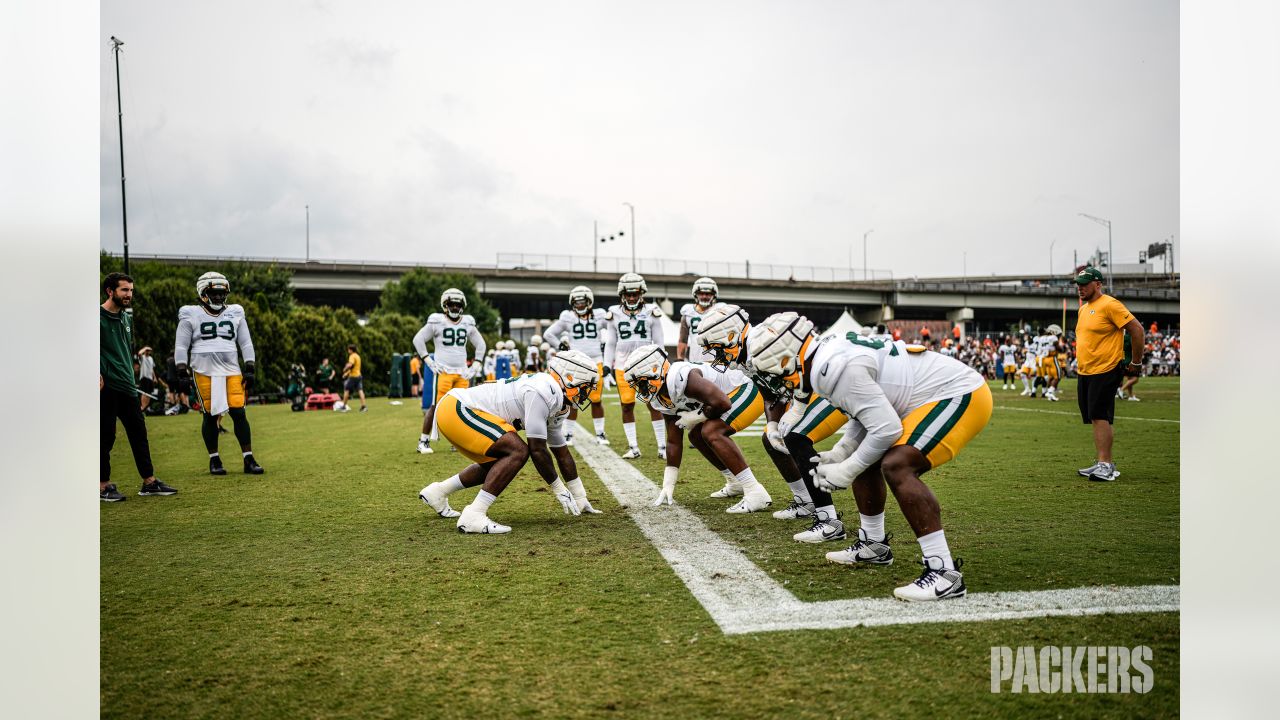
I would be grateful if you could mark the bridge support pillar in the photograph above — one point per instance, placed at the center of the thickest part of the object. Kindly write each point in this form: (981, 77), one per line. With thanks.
(874, 316)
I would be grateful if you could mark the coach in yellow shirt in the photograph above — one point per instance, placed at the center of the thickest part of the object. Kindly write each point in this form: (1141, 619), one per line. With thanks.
(1100, 329)
(353, 381)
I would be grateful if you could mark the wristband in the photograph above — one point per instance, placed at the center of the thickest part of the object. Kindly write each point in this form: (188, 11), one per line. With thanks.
(576, 488)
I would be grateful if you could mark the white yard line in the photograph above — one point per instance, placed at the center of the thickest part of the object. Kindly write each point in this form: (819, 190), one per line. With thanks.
(1076, 414)
(742, 598)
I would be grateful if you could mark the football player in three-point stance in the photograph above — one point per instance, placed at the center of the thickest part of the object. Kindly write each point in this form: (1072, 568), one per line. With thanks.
(795, 425)
(910, 410)
(712, 405)
(451, 331)
(482, 422)
(208, 337)
(628, 325)
(581, 327)
(705, 296)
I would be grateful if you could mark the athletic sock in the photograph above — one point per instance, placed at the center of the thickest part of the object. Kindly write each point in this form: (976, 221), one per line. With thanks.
(599, 425)
(214, 455)
(799, 490)
(935, 545)
(246, 453)
(728, 476)
(872, 525)
(747, 480)
(452, 485)
(828, 510)
(660, 432)
(424, 438)
(483, 501)
(629, 429)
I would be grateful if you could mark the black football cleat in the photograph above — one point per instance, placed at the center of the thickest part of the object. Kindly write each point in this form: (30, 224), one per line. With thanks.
(251, 466)
(215, 466)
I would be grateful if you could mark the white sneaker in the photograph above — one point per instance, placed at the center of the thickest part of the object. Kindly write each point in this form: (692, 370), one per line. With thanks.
(864, 552)
(1104, 472)
(794, 510)
(602, 439)
(632, 453)
(730, 489)
(1024, 393)
(1086, 472)
(1133, 398)
(438, 500)
(424, 447)
(934, 583)
(662, 452)
(568, 440)
(754, 501)
(1120, 394)
(1051, 397)
(471, 521)
(823, 529)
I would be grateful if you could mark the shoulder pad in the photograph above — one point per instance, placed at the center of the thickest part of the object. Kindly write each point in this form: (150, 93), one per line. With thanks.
(608, 314)
(686, 308)
(469, 319)
(567, 315)
(435, 318)
(655, 310)
(186, 310)
(237, 307)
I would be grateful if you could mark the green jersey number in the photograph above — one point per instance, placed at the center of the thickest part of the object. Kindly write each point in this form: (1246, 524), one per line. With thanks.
(209, 330)
(585, 330)
(453, 337)
(625, 330)
(857, 339)
(693, 324)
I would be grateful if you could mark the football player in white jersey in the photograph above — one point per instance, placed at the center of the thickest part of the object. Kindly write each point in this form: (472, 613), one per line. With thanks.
(712, 405)
(1050, 366)
(910, 410)
(705, 299)
(795, 424)
(1008, 354)
(533, 357)
(208, 338)
(482, 422)
(581, 328)
(451, 331)
(628, 325)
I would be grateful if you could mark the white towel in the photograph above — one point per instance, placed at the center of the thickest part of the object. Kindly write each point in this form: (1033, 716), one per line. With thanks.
(218, 395)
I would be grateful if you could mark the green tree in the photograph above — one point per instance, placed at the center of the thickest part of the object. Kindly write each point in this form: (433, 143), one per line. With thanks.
(417, 294)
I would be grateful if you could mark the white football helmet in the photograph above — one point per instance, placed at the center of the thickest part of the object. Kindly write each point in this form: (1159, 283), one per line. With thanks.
(723, 333)
(577, 375)
(545, 348)
(213, 288)
(535, 340)
(631, 290)
(453, 302)
(581, 299)
(776, 348)
(509, 345)
(646, 370)
(1054, 329)
(705, 285)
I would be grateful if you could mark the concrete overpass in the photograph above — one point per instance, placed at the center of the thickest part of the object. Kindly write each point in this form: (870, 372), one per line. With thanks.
(988, 303)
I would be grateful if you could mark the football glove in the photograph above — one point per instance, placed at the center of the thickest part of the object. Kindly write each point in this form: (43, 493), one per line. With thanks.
(430, 362)
(669, 475)
(580, 496)
(833, 476)
(775, 437)
(689, 418)
(608, 371)
(248, 374)
(836, 454)
(565, 498)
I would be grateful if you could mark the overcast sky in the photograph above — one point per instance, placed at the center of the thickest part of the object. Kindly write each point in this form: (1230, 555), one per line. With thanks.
(775, 131)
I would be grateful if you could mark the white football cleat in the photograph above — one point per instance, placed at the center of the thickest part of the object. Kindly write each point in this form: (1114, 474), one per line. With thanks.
(471, 521)
(1133, 398)
(823, 529)
(794, 510)
(730, 489)
(754, 501)
(632, 453)
(569, 441)
(602, 439)
(934, 583)
(438, 500)
(662, 452)
(864, 552)
(424, 447)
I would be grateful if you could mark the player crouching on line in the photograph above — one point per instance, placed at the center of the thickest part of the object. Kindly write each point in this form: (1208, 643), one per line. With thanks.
(796, 424)
(482, 422)
(712, 405)
(910, 410)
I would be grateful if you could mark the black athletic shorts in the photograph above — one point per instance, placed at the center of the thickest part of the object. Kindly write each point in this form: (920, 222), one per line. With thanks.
(1097, 394)
(353, 384)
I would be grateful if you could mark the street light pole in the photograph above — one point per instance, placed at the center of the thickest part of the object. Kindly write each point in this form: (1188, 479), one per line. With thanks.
(864, 252)
(308, 233)
(633, 234)
(595, 246)
(124, 214)
(1111, 259)
(1055, 241)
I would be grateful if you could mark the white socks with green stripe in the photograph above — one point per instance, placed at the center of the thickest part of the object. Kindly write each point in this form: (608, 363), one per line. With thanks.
(660, 432)
(599, 425)
(935, 545)
(872, 525)
(629, 429)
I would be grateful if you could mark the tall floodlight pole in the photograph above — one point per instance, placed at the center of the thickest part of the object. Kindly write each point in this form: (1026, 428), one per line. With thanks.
(308, 233)
(1055, 241)
(1111, 259)
(864, 252)
(633, 234)
(595, 246)
(124, 214)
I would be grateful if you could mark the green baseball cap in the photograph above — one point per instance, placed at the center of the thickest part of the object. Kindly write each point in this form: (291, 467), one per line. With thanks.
(1088, 275)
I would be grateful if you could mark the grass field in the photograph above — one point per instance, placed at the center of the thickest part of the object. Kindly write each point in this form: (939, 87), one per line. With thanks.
(326, 589)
